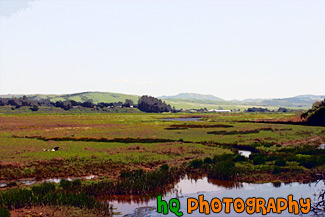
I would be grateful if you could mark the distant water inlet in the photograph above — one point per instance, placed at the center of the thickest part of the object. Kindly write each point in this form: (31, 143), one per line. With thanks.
(186, 188)
(244, 153)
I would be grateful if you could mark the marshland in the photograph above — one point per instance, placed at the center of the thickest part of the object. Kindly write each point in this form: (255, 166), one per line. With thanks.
(138, 156)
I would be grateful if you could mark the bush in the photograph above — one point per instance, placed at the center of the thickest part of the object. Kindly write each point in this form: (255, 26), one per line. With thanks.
(65, 184)
(11, 184)
(4, 212)
(196, 163)
(259, 159)
(320, 160)
(164, 167)
(125, 174)
(43, 188)
(276, 170)
(223, 157)
(280, 163)
(308, 162)
(207, 160)
(239, 158)
(291, 158)
(76, 183)
(223, 170)
(272, 158)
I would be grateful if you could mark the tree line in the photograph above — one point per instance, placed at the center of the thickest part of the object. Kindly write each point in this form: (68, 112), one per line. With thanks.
(145, 104)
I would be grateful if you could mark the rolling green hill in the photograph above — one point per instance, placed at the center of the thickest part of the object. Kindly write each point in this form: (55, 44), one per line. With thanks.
(82, 97)
(191, 96)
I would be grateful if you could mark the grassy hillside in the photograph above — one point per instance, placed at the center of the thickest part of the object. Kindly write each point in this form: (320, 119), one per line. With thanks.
(194, 96)
(82, 97)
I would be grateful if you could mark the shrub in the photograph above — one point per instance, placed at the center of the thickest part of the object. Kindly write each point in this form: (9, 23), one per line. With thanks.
(267, 145)
(259, 159)
(125, 174)
(164, 167)
(207, 160)
(320, 160)
(276, 170)
(4, 212)
(76, 183)
(280, 163)
(11, 184)
(308, 162)
(223, 170)
(43, 188)
(196, 163)
(272, 158)
(291, 158)
(239, 158)
(65, 184)
(223, 157)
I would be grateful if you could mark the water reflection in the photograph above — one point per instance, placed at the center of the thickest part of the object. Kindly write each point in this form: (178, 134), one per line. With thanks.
(194, 186)
(226, 183)
(276, 184)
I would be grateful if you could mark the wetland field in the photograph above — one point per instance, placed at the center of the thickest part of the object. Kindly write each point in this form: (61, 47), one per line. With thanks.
(116, 164)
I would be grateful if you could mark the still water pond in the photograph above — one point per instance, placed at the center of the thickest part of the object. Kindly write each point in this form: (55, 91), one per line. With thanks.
(244, 153)
(190, 188)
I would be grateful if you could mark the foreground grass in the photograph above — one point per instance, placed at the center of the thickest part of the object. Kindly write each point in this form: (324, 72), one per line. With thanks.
(48, 194)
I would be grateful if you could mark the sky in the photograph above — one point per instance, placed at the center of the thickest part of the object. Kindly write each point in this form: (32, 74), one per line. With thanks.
(233, 49)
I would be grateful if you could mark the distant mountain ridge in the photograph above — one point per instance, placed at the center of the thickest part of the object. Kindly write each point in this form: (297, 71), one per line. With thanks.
(296, 101)
(193, 96)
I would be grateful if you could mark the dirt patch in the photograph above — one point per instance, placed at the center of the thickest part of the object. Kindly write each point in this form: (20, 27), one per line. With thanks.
(313, 140)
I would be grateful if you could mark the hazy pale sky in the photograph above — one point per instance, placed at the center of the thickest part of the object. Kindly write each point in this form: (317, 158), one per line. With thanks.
(233, 49)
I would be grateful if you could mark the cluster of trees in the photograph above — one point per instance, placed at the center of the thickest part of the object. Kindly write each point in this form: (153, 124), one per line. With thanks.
(258, 110)
(145, 104)
(152, 104)
(66, 105)
(24, 101)
(316, 115)
(281, 109)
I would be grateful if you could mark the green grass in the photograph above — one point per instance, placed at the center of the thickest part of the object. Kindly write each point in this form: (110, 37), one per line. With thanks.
(24, 157)
(97, 97)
